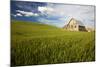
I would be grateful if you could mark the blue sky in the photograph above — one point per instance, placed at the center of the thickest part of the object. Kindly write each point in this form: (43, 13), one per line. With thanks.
(52, 13)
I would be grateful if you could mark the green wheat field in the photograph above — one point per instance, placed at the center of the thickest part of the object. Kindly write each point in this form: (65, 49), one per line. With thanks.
(33, 43)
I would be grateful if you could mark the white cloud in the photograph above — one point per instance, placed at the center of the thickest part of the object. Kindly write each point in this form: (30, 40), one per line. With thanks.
(36, 14)
(18, 14)
(28, 14)
(45, 10)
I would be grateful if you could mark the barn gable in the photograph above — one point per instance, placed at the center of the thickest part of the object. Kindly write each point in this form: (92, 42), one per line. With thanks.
(76, 21)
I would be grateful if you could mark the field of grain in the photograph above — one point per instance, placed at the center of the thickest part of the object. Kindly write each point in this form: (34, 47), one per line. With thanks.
(33, 43)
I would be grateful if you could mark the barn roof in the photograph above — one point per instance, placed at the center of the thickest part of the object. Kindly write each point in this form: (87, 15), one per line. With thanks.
(78, 21)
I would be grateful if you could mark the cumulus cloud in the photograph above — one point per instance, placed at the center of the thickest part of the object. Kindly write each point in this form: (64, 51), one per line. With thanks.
(42, 9)
(28, 14)
(18, 14)
(46, 10)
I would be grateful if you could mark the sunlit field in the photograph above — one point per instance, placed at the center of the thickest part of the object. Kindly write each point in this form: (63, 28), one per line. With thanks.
(33, 43)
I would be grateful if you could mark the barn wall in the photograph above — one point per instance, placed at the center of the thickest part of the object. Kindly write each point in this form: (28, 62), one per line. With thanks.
(72, 26)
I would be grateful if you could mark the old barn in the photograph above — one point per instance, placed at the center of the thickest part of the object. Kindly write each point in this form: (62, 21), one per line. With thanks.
(75, 25)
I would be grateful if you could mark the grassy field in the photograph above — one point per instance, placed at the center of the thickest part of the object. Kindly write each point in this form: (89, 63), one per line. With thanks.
(34, 43)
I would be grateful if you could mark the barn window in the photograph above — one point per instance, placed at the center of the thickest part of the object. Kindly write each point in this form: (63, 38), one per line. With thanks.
(75, 26)
(71, 26)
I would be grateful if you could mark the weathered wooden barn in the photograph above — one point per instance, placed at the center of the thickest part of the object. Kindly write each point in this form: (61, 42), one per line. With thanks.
(75, 25)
